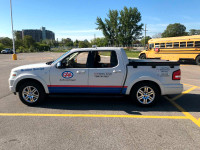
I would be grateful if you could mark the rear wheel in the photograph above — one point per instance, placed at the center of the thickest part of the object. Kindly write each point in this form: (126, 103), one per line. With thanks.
(31, 93)
(198, 60)
(142, 56)
(145, 94)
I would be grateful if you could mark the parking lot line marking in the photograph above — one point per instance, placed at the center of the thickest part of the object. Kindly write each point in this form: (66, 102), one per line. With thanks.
(190, 85)
(187, 114)
(92, 115)
(183, 93)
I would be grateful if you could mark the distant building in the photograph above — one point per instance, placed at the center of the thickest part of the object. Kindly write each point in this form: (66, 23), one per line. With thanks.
(38, 35)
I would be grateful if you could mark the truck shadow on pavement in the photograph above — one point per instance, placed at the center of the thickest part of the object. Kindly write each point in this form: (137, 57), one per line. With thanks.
(190, 102)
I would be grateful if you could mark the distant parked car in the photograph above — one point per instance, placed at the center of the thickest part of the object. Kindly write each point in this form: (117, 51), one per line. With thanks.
(7, 51)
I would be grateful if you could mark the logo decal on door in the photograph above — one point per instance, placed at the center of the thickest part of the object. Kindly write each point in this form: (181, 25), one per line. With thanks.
(67, 74)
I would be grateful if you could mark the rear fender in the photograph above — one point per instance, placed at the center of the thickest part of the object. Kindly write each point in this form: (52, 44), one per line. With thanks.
(144, 78)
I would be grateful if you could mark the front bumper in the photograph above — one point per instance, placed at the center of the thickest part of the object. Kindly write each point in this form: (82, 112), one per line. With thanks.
(172, 89)
(11, 87)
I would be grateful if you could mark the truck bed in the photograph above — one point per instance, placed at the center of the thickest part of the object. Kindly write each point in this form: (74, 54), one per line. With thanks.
(152, 62)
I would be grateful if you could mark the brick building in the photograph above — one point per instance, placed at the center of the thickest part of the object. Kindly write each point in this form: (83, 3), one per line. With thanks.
(37, 34)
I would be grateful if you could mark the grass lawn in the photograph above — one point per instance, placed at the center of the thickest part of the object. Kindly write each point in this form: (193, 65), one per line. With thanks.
(134, 54)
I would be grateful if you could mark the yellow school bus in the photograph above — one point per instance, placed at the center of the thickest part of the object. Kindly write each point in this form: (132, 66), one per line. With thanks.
(173, 48)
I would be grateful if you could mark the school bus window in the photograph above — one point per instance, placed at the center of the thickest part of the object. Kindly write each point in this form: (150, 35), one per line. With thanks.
(157, 45)
(182, 44)
(168, 45)
(162, 45)
(176, 44)
(197, 43)
(190, 44)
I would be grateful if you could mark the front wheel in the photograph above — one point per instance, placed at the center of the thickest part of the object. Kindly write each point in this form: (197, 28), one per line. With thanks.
(145, 94)
(198, 60)
(31, 93)
(142, 56)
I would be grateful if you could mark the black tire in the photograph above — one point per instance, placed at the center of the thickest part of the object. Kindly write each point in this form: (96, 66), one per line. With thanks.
(31, 101)
(147, 99)
(198, 60)
(142, 56)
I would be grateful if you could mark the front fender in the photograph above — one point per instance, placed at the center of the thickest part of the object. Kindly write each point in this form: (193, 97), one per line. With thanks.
(143, 78)
(31, 76)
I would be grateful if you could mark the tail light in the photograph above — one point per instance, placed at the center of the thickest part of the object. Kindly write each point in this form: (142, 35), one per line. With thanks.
(176, 75)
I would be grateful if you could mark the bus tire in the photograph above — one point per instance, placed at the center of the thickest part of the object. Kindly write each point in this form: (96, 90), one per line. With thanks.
(142, 56)
(198, 60)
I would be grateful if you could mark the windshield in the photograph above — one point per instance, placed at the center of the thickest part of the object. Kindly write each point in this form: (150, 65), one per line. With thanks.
(150, 46)
(50, 62)
(62, 56)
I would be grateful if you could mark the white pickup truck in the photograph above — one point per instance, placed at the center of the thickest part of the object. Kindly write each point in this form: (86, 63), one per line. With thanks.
(97, 71)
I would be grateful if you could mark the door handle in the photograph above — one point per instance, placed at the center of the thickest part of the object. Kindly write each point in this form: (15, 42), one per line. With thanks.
(117, 71)
(80, 72)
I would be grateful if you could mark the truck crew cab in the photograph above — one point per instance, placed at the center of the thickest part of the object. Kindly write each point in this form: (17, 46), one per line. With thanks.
(97, 71)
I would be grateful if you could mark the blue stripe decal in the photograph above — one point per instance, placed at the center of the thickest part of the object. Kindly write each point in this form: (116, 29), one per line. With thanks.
(108, 90)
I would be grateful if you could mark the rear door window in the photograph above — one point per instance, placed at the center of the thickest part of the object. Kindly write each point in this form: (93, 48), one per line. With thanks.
(104, 59)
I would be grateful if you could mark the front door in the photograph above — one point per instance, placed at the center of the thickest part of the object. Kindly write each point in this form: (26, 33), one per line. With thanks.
(72, 77)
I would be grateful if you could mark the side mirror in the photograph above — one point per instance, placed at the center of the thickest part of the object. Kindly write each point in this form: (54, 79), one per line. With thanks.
(59, 65)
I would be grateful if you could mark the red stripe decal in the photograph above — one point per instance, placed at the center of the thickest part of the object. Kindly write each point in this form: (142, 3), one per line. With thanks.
(97, 86)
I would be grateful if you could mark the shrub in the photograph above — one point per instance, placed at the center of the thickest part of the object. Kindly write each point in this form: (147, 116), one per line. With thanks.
(1, 46)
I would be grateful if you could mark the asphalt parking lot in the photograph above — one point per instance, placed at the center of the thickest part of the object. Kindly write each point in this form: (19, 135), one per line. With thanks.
(98, 123)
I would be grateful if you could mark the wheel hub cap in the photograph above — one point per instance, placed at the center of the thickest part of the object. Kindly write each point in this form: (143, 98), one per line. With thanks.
(30, 94)
(145, 95)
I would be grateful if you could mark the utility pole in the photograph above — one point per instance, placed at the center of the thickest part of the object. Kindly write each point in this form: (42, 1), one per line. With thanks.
(14, 56)
(145, 30)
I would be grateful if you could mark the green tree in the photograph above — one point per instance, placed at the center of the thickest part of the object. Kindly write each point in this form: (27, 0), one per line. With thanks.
(42, 47)
(17, 35)
(123, 28)
(136, 42)
(7, 42)
(83, 44)
(100, 42)
(1, 46)
(174, 30)
(143, 42)
(28, 41)
(194, 32)
(76, 42)
(67, 42)
(19, 43)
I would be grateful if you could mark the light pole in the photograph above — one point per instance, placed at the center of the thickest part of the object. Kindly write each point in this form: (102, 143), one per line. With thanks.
(14, 56)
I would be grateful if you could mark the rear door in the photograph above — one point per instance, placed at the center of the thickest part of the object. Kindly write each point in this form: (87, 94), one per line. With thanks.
(107, 74)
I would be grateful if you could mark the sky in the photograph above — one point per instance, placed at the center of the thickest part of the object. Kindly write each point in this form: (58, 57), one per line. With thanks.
(76, 19)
